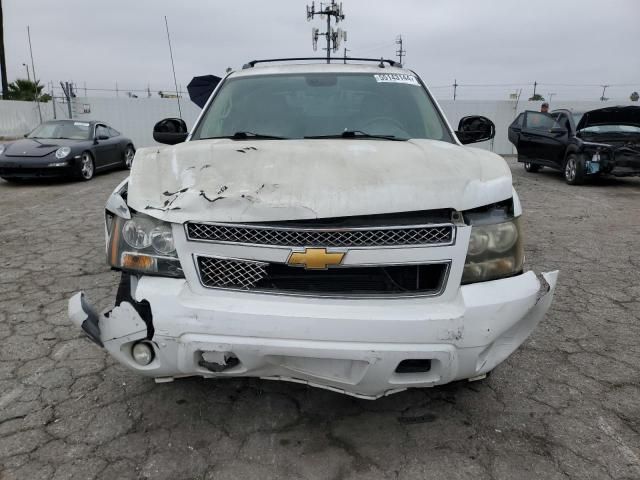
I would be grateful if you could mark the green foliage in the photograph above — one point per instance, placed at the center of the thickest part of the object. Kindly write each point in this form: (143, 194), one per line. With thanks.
(26, 90)
(536, 98)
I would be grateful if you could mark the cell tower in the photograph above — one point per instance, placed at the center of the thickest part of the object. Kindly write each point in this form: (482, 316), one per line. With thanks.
(333, 37)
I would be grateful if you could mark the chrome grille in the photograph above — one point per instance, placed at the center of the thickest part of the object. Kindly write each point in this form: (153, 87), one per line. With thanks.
(219, 273)
(348, 237)
(353, 281)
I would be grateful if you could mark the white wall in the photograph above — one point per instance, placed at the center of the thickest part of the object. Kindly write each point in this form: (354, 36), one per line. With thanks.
(135, 117)
(503, 112)
(18, 118)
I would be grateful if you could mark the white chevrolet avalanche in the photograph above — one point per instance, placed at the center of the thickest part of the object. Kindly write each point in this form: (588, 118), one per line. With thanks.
(322, 224)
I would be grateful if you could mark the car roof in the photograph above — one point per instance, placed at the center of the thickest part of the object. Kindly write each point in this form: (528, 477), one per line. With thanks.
(318, 68)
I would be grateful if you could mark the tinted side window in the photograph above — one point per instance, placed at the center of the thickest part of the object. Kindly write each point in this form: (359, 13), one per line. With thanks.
(563, 121)
(539, 121)
(102, 131)
(519, 121)
(113, 132)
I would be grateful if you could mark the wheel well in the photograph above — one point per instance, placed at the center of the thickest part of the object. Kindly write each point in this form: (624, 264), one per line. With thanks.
(569, 151)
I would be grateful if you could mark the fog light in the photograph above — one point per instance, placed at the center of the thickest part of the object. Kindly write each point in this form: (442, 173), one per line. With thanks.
(142, 353)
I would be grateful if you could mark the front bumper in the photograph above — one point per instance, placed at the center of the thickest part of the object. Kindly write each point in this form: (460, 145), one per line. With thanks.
(27, 170)
(350, 346)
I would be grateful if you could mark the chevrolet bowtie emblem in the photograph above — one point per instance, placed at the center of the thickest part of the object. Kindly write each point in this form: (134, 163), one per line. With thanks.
(315, 259)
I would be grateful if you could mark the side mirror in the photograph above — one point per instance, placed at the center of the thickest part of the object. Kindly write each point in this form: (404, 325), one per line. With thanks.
(170, 131)
(474, 128)
(559, 131)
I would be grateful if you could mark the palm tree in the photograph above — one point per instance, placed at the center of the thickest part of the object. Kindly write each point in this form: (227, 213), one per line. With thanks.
(27, 90)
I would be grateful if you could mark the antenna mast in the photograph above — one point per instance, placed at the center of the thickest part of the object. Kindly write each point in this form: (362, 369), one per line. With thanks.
(175, 82)
(333, 37)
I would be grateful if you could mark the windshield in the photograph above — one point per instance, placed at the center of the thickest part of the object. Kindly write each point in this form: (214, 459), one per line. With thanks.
(611, 129)
(328, 104)
(70, 130)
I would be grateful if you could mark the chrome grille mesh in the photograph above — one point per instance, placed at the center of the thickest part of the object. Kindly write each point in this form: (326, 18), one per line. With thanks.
(366, 237)
(215, 272)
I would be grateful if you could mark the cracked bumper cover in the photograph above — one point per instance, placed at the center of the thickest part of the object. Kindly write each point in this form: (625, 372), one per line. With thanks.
(349, 346)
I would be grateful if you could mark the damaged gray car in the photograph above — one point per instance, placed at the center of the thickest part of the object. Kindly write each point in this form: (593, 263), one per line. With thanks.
(605, 141)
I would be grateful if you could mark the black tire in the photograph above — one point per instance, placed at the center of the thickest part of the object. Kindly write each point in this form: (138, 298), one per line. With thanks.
(86, 168)
(128, 154)
(532, 167)
(573, 170)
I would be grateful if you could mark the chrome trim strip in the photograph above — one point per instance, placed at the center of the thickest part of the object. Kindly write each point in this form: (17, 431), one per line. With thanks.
(436, 293)
(324, 230)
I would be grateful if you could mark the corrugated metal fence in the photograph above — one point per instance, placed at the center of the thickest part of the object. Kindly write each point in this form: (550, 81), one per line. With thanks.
(135, 117)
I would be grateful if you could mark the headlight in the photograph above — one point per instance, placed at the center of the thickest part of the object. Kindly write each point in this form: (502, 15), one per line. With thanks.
(143, 244)
(495, 251)
(1, 149)
(62, 152)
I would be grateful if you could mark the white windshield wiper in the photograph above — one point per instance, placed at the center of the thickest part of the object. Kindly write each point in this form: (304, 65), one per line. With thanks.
(357, 134)
(247, 136)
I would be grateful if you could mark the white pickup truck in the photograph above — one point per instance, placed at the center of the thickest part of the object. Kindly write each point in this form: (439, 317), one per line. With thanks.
(322, 224)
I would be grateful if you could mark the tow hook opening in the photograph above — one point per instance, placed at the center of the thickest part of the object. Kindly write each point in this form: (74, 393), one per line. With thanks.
(414, 365)
(218, 361)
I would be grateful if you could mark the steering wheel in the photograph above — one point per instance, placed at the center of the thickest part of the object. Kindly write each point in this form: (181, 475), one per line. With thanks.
(383, 120)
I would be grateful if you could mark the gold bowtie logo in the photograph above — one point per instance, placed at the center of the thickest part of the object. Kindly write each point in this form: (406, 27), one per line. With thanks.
(315, 259)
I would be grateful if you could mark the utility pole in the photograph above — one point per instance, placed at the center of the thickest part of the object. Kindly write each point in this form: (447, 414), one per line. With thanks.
(35, 79)
(53, 102)
(333, 37)
(66, 89)
(604, 88)
(3, 62)
(550, 96)
(345, 54)
(27, 67)
(175, 82)
(535, 84)
(85, 89)
(117, 92)
(400, 52)
(455, 88)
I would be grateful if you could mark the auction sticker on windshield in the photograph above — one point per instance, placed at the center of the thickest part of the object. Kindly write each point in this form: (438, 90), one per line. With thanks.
(396, 78)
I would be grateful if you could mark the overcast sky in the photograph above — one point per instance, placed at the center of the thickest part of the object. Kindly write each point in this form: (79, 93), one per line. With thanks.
(506, 43)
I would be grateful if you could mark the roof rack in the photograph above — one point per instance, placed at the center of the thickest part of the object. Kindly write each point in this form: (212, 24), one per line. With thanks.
(381, 61)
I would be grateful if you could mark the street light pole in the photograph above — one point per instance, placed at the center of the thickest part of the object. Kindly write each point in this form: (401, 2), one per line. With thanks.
(27, 67)
(33, 70)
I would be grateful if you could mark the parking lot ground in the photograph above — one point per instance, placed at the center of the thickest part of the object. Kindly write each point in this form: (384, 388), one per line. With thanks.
(565, 405)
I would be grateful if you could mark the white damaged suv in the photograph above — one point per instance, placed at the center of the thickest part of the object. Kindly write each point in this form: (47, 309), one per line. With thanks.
(322, 224)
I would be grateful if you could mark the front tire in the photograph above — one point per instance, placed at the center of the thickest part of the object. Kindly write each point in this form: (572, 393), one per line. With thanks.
(12, 179)
(86, 167)
(532, 168)
(574, 170)
(129, 153)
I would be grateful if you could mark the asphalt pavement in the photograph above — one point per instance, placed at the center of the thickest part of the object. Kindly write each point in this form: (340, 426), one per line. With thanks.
(566, 405)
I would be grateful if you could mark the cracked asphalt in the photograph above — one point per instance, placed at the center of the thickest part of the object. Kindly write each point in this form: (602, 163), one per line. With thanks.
(565, 405)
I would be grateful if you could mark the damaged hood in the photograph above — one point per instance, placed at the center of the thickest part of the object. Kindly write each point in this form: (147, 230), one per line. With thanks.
(224, 180)
(610, 116)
